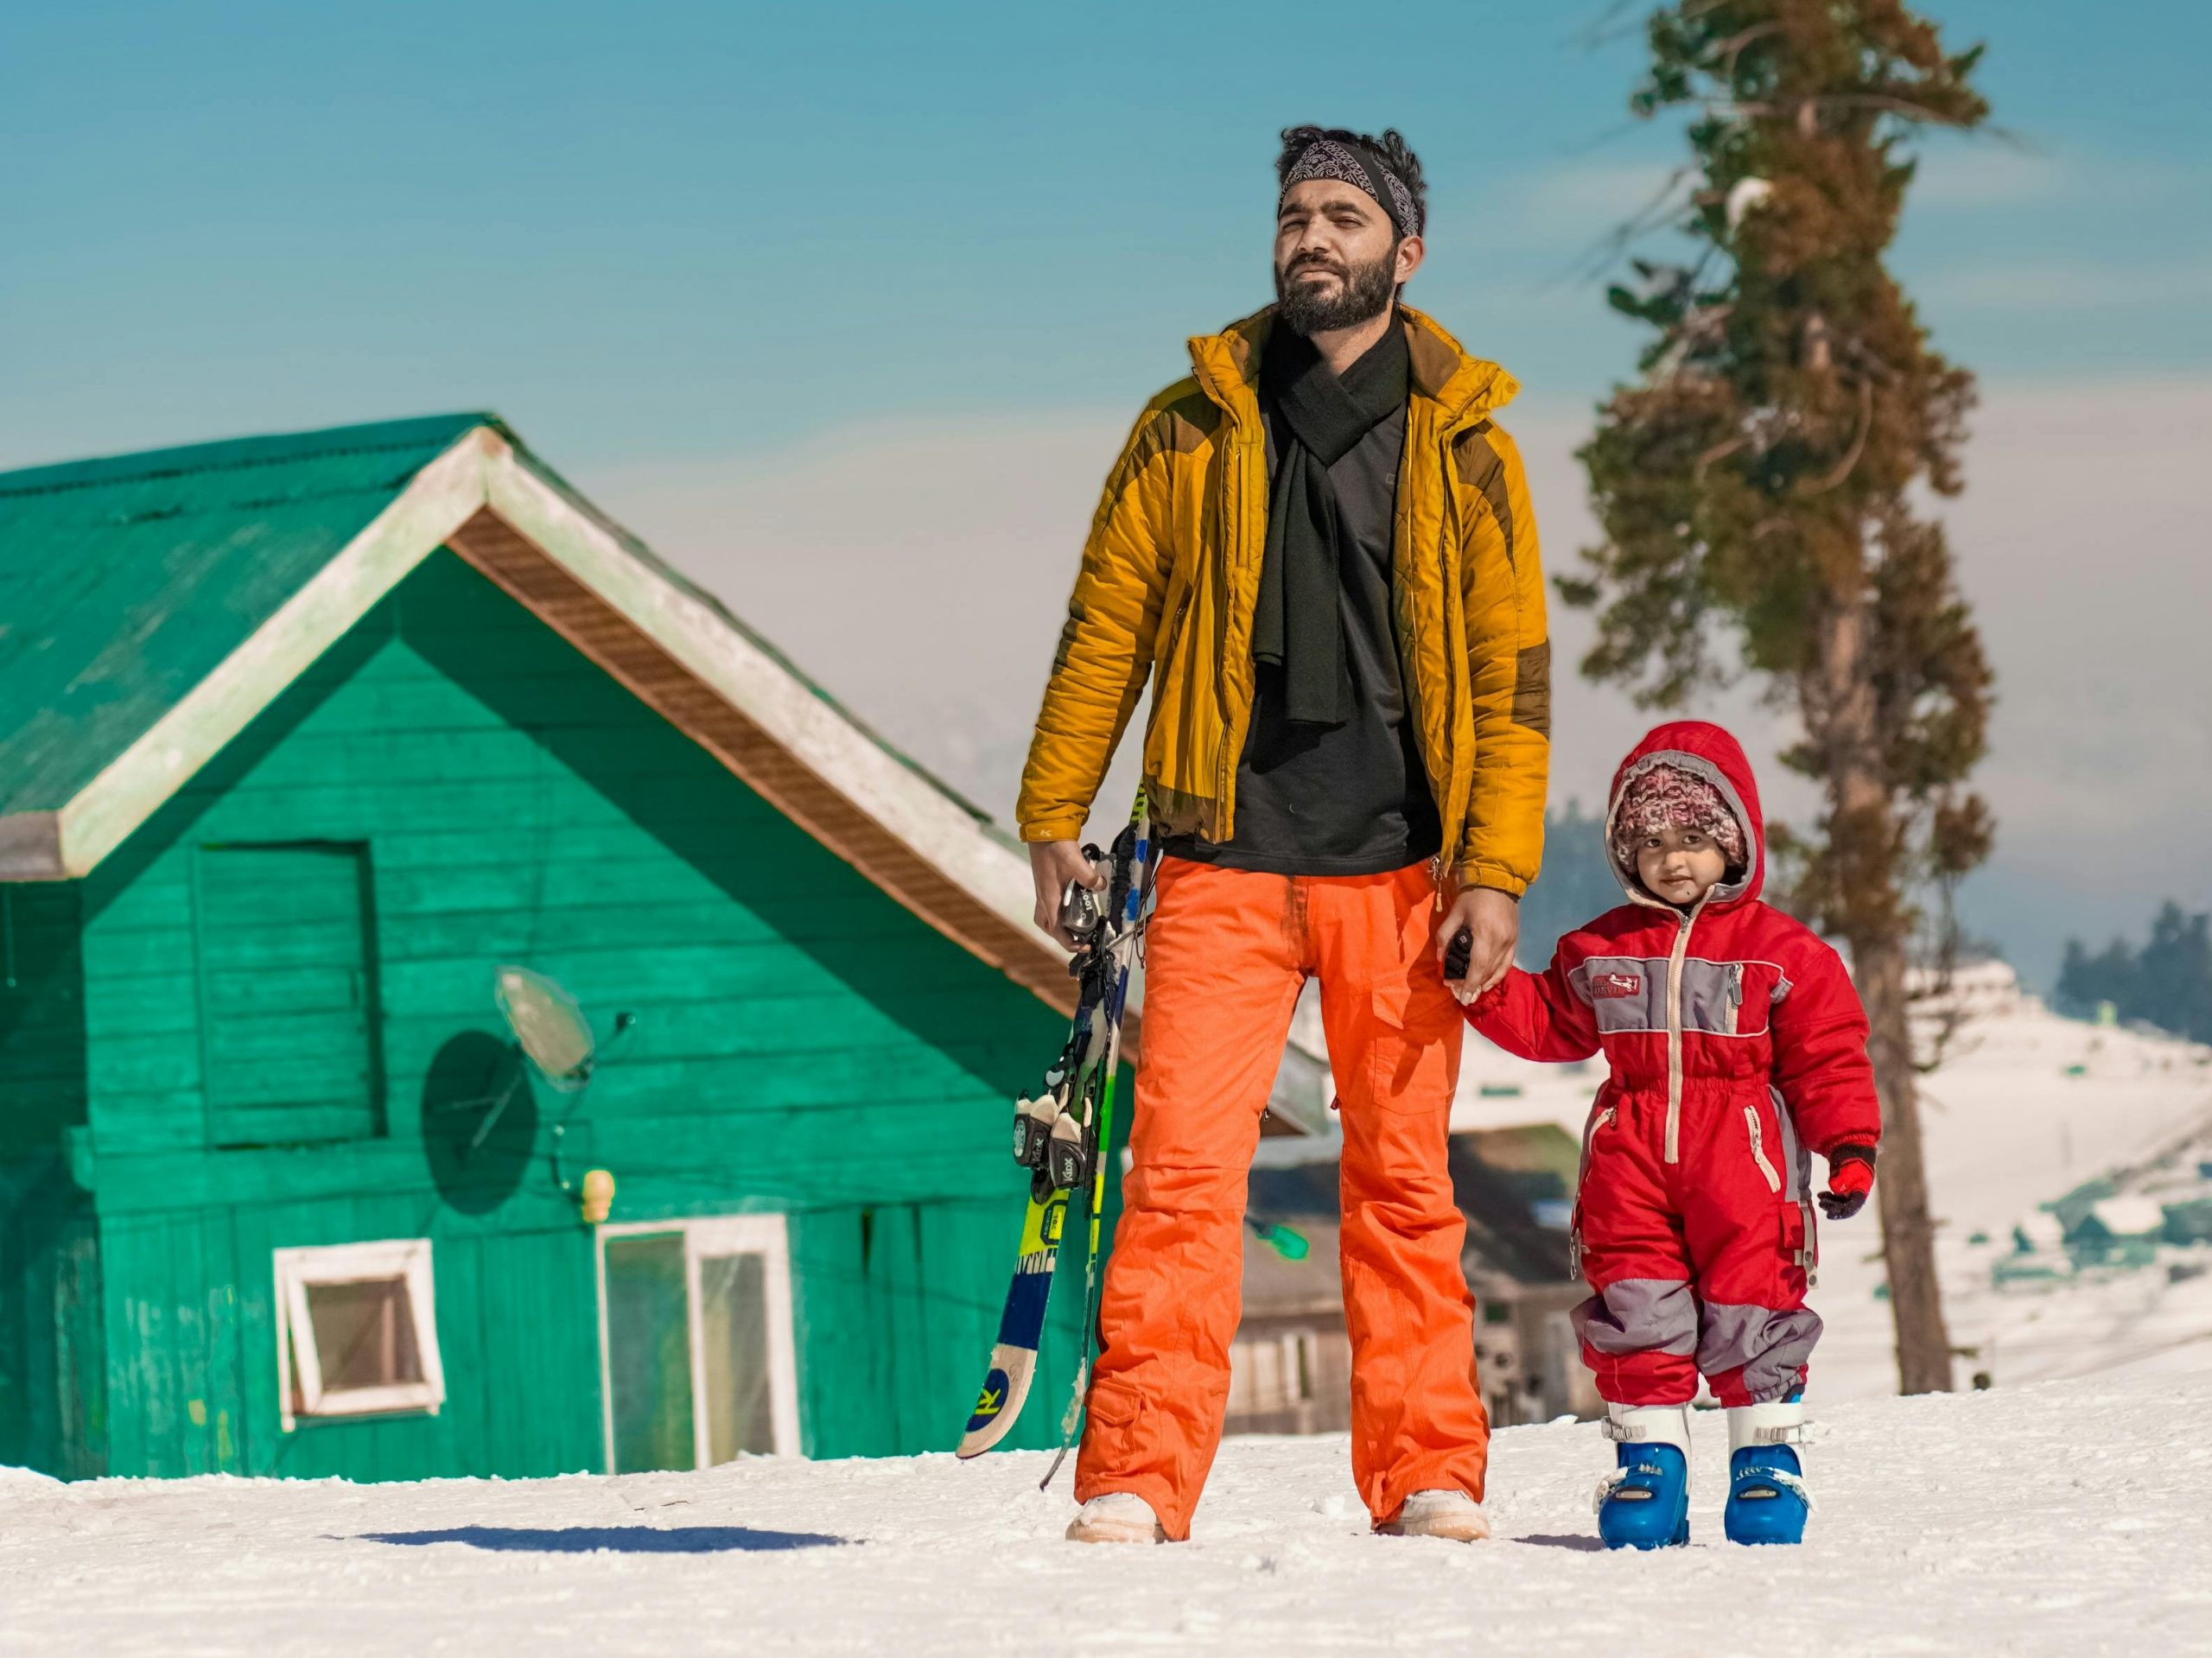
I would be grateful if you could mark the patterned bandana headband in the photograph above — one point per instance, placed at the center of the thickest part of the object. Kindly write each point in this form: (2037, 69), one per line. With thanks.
(1362, 168)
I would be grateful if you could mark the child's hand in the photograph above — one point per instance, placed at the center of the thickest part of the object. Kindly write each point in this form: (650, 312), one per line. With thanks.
(1850, 1176)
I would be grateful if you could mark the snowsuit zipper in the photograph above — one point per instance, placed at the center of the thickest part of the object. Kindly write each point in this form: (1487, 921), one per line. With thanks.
(1675, 1035)
(1758, 1148)
(1598, 1119)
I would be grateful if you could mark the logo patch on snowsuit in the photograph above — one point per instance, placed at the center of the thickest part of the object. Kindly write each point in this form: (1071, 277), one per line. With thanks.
(1612, 987)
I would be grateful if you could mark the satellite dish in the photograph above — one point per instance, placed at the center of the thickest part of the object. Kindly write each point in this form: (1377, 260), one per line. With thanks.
(548, 1025)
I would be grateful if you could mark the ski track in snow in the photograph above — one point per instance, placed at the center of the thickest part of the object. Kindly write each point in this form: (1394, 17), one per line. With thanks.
(2067, 1517)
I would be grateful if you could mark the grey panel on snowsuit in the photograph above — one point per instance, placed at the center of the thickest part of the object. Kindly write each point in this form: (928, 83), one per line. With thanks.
(1629, 994)
(1772, 1347)
(1639, 1315)
(1796, 1157)
(1712, 993)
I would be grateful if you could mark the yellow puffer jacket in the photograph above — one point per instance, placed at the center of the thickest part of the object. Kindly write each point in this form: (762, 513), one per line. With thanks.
(1171, 574)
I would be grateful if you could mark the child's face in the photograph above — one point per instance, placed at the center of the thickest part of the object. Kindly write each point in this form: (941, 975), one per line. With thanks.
(1679, 865)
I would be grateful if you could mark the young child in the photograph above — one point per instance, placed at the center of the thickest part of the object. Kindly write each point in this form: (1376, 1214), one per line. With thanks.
(1736, 1043)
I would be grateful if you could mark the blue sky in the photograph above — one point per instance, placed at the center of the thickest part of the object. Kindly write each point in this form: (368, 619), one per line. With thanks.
(693, 248)
(660, 226)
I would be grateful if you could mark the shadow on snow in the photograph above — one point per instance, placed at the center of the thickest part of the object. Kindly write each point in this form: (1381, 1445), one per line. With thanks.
(621, 1540)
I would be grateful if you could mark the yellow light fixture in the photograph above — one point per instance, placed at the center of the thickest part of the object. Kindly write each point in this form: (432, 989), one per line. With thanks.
(597, 1197)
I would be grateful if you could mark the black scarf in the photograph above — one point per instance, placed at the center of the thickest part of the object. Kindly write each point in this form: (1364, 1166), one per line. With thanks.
(1317, 419)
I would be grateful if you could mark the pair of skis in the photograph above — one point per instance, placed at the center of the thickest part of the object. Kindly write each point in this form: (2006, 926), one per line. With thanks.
(1063, 1137)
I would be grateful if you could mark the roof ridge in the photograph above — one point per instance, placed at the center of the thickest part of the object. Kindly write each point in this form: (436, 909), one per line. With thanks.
(424, 430)
(72, 486)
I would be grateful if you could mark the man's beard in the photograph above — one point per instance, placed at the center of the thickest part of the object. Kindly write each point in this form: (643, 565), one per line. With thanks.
(1365, 293)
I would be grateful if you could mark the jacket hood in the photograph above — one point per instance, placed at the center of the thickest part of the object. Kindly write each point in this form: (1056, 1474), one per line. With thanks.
(1228, 366)
(1704, 751)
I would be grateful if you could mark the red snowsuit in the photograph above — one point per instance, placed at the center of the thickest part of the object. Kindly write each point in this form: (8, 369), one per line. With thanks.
(1736, 1041)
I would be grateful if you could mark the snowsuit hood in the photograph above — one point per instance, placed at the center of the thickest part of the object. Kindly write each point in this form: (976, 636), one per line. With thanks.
(1703, 750)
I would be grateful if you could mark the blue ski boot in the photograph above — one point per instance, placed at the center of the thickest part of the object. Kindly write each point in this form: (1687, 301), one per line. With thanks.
(1645, 1502)
(1768, 1502)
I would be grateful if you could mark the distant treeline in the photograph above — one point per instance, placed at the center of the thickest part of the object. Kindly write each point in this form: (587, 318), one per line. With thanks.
(2168, 982)
(1577, 884)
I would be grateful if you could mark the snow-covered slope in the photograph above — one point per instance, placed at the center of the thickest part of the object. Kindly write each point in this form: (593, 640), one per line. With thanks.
(2025, 1107)
(2062, 1518)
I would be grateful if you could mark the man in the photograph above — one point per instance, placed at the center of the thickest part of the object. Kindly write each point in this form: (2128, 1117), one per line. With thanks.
(1320, 551)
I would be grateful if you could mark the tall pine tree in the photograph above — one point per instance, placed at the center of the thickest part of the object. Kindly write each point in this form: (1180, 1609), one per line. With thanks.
(1755, 489)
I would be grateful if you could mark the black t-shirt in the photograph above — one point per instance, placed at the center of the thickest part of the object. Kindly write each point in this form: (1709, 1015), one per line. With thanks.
(1351, 799)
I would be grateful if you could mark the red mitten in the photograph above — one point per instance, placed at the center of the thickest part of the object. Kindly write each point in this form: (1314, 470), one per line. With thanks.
(1850, 1176)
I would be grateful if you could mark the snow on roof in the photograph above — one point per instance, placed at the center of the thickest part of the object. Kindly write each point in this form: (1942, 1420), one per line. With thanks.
(2130, 1216)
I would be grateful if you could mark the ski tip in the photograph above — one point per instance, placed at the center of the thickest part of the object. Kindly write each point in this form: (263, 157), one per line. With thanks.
(996, 1406)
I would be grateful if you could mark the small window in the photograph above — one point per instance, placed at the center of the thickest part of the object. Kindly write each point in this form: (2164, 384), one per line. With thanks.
(357, 1330)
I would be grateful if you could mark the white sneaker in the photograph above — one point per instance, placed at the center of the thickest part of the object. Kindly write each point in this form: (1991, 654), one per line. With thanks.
(1116, 1517)
(1452, 1515)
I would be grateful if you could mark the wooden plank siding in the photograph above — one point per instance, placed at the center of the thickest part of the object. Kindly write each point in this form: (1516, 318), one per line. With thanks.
(802, 1044)
(627, 654)
(52, 1404)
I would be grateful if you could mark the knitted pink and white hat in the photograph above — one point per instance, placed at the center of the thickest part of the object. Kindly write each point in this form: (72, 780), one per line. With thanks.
(1665, 796)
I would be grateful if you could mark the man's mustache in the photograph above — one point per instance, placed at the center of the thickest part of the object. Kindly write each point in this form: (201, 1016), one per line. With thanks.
(1314, 262)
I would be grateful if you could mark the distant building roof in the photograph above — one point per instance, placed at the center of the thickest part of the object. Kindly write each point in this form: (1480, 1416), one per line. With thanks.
(2131, 1217)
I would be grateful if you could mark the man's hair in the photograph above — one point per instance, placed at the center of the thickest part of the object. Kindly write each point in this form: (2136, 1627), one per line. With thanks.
(1396, 153)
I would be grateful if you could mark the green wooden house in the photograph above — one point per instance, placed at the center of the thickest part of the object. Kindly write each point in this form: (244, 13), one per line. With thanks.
(303, 739)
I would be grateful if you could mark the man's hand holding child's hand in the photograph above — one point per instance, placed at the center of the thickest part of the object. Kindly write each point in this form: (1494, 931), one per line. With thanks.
(1491, 921)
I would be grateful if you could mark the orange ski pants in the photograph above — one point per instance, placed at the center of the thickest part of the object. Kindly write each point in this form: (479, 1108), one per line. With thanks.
(1226, 953)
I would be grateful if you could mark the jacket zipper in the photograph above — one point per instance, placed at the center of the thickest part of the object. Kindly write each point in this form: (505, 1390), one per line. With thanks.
(1758, 1148)
(1675, 1035)
(1226, 770)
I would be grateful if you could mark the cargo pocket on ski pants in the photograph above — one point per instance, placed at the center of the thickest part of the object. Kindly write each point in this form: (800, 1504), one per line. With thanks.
(1127, 1448)
(1114, 1410)
(1409, 1024)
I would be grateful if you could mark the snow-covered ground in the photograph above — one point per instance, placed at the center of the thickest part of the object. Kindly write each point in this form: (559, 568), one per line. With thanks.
(2025, 1107)
(2067, 1515)
(2064, 1517)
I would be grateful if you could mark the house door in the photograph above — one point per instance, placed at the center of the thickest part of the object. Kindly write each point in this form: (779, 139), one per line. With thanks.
(695, 1342)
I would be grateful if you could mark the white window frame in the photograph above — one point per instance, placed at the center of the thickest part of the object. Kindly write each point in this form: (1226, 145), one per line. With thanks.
(407, 1259)
(712, 1237)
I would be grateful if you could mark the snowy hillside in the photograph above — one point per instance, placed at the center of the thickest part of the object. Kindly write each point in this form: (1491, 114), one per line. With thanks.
(2060, 1518)
(2026, 1107)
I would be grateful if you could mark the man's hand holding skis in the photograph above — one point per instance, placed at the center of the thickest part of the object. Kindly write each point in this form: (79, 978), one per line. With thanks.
(1054, 865)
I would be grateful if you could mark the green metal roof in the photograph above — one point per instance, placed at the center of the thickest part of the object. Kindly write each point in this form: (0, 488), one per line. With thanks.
(124, 581)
